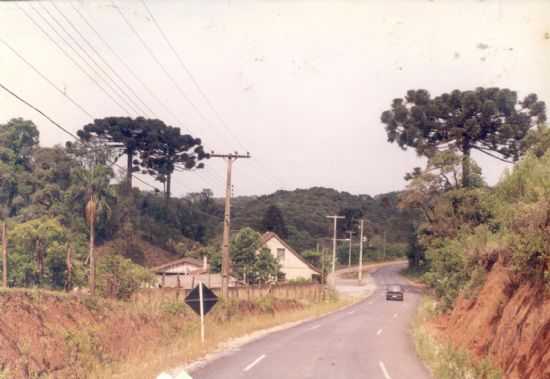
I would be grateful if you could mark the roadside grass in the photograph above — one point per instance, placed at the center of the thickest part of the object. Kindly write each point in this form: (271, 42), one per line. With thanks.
(185, 346)
(444, 360)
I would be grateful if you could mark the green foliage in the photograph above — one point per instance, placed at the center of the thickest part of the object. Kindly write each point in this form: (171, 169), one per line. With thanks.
(250, 262)
(38, 251)
(273, 221)
(119, 277)
(305, 212)
(266, 267)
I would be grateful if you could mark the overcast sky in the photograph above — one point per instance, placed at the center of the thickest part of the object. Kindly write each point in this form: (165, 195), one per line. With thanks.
(299, 84)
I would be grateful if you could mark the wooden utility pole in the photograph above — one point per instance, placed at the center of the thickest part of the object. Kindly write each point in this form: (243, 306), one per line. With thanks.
(335, 218)
(4, 256)
(360, 274)
(226, 260)
(349, 254)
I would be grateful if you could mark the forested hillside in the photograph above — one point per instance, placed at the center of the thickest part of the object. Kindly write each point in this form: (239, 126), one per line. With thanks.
(304, 212)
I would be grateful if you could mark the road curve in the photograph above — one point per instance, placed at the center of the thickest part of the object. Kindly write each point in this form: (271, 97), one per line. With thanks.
(367, 340)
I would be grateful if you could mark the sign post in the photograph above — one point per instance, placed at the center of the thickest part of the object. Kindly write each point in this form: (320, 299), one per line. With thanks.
(201, 299)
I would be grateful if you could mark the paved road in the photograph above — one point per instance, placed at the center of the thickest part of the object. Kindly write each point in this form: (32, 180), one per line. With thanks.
(367, 340)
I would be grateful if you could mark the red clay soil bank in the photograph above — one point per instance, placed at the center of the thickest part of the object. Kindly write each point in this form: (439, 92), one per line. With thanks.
(64, 336)
(507, 322)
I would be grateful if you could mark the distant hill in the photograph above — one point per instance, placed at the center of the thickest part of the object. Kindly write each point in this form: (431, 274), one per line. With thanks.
(305, 211)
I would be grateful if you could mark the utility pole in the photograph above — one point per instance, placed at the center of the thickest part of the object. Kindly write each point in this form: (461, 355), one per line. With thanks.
(4, 256)
(226, 260)
(349, 255)
(335, 218)
(360, 274)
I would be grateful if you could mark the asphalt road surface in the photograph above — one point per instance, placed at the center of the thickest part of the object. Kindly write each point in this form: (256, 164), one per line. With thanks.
(367, 340)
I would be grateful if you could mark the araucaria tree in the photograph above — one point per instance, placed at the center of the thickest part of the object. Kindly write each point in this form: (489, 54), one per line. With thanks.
(490, 120)
(168, 150)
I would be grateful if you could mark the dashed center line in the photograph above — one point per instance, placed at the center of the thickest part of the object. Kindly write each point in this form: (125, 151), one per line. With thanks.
(258, 360)
(315, 327)
(370, 302)
(384, 371)
(379, 332)
(351, 312)
(395, 315)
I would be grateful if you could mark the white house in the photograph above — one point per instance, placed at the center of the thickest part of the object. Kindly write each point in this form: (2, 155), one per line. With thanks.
(293, 266)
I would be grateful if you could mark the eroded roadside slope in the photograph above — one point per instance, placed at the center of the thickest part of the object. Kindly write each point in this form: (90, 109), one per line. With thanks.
(508, 322)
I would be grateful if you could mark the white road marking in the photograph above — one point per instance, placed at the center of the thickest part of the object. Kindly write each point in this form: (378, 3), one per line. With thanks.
(395, 315)
(315, 327)
(370, 302)
(351, 312)
(384, 371)
(258, 360)
(379, 332)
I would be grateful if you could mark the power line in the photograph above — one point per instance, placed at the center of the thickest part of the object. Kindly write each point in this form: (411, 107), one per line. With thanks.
(105, 62)
(64, 129)
(46, 78)
(134, 75)
(159, 63)
(109, 81)
(193, 80)
(75, 62)
(79, 66)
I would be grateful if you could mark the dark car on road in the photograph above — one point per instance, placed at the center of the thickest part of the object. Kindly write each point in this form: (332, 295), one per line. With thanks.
(394, 292)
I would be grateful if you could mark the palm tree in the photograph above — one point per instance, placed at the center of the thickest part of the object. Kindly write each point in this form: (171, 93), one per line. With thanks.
(92, 186)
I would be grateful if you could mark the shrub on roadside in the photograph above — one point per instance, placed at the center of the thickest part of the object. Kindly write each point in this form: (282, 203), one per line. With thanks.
(119, 277)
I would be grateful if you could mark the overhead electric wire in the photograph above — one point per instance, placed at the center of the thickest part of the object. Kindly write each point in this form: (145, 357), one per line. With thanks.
(105, 62)
(63, 93)
(137, 78)
(159, 63)
(63, 129)
(109, 81)
(79, 66)
(74, 61)
(193, 80)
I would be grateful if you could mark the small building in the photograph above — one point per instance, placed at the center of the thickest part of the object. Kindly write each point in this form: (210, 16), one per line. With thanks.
(172, 273)
(293, 265)
(187, 273)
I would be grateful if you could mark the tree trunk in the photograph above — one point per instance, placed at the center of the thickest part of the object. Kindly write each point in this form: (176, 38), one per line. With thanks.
(92, 258)
(39, 260)
(69, 262)
(129, 169)
(4, 256)
(466, 166)
(168, 186)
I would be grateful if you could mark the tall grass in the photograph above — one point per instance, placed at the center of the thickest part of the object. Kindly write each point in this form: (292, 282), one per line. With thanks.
(443, 359)
(225, 323)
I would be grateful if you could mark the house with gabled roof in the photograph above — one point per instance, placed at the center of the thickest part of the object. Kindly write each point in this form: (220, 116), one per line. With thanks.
(293, 265)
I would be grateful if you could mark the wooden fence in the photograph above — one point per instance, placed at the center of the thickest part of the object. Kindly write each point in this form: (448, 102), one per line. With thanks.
(310, 291)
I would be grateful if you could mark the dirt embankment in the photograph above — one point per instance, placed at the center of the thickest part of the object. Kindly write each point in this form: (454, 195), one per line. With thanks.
(508, 321)
(64, 336)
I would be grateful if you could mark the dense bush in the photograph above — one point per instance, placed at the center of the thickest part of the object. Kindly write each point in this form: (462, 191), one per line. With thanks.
(119, 277)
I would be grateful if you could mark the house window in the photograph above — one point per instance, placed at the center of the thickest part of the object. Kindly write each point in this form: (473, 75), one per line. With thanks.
(281, 255)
